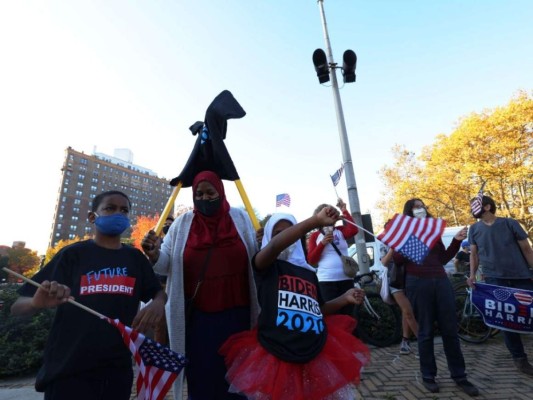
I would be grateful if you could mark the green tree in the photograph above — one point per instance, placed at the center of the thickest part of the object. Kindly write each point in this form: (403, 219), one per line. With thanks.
(22, 260)
(4, 263)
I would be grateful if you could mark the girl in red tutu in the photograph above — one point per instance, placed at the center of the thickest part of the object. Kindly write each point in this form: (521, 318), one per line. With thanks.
(294, 353)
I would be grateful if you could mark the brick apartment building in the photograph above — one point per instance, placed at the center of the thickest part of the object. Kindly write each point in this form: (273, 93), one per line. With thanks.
(84, 176)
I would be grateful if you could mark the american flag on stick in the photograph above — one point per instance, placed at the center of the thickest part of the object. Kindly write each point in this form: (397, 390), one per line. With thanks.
(336, 177)
(476, 205)
(158, 366)
(283, 199)
(413, 237)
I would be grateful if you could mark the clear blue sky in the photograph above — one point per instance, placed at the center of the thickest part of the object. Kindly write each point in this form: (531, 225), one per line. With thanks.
(137, 74)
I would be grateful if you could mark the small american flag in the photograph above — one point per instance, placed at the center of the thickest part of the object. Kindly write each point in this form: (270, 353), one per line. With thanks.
(336, 177)
(476, 205)
(413, 237)
(283, 199)
(158, 366)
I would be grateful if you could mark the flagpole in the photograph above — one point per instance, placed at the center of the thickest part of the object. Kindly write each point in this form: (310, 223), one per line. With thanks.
(334, 187)
(360, 227)
(71, 301)
(353, 198)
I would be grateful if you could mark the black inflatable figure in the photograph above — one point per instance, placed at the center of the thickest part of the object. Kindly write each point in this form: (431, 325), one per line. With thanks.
(209, 152)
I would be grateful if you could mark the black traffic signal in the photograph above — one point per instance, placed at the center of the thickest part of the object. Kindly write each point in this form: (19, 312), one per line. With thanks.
(349, 60)
(321, 65)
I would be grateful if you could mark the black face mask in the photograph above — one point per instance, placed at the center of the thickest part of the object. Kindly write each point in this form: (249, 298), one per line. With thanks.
(165, 229)
(207, 207)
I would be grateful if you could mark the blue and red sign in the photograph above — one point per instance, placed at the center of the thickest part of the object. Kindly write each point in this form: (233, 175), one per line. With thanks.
(504, 308)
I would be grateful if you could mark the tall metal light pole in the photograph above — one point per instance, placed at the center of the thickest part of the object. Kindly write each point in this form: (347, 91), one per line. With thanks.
(349, 61)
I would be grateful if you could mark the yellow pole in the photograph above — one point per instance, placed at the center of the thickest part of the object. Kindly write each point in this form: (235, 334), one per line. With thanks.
(247, 204)
(168, 207)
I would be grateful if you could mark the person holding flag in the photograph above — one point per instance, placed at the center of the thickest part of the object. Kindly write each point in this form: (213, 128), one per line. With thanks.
(297, 350)
(85, 357)
(431, 295)
(501, 246)
(332, 279)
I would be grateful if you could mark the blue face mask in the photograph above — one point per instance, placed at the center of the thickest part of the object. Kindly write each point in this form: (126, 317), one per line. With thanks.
(112, 225)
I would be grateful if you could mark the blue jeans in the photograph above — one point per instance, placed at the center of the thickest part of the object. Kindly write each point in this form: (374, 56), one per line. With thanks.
(513, 341)
(433, 301)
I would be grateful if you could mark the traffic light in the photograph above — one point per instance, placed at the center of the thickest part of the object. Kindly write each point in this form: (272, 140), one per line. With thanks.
(321, 65)
(349, 59)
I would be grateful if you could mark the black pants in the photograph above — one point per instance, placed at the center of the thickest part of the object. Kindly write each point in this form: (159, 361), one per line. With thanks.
(105, 384)
(333, 289)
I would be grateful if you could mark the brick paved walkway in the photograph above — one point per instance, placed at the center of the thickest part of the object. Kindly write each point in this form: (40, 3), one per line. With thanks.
(489, 366)
(394, 377)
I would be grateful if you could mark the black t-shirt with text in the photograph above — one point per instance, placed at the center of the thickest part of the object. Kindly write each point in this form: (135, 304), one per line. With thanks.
(111, 282)
(291, 325)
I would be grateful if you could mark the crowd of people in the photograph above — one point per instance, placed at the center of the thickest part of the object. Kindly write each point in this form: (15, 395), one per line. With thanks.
(259, 315)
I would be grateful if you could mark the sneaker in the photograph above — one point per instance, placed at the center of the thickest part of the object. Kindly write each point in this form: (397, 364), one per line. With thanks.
(523, 365)
(467, 387)
(405, 348)
(430, 385)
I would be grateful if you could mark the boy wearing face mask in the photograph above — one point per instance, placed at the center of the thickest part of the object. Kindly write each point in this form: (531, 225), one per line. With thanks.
(85, 357)
(432, 298)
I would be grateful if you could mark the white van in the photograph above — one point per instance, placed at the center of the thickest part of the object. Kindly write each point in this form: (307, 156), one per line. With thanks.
(447, 237)
(373, 250)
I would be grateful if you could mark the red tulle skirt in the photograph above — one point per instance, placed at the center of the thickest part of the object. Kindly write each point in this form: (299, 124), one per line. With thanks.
(332, 374)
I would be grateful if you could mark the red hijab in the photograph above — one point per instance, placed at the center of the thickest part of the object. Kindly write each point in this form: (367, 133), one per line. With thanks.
(217, 229)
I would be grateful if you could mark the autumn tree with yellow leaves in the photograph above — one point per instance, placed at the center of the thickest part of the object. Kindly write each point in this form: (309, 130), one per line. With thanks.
(22, 260)
(495, 146)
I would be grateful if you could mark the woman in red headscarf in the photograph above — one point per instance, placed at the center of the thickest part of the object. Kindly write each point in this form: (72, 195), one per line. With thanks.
(206, 255)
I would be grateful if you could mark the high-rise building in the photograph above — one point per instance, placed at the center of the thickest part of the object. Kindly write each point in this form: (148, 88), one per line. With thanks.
(85, 176)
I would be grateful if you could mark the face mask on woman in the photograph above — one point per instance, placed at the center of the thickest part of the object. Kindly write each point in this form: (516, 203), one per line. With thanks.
(208, 207)
(112, 225)
(420, 212)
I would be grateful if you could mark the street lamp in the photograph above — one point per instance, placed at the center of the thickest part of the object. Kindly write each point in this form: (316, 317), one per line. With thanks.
(326, 70)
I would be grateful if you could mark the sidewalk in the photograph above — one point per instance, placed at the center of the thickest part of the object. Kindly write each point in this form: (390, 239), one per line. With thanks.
(393, 377)
(489, 367)
(20, 388)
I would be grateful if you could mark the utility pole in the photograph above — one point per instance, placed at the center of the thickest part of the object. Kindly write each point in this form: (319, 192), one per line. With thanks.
(325, 66)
